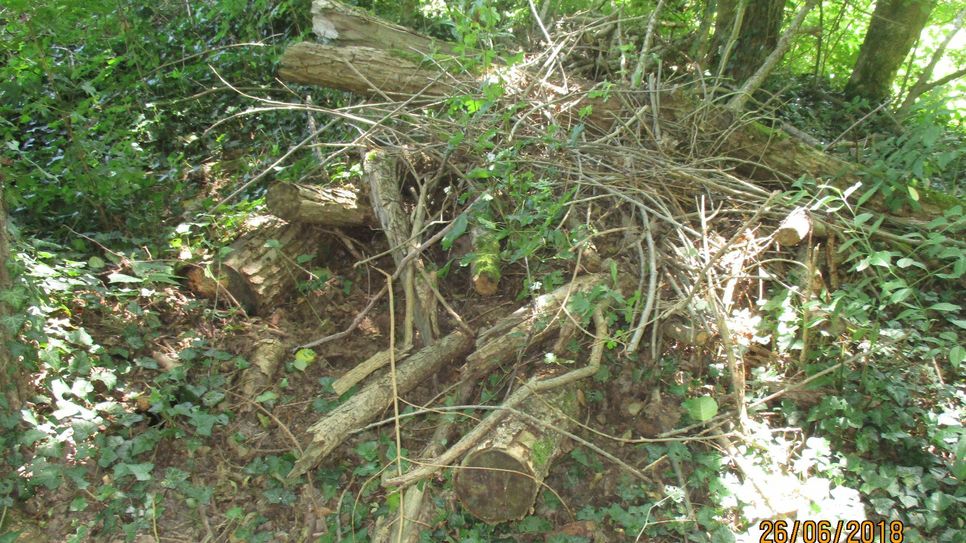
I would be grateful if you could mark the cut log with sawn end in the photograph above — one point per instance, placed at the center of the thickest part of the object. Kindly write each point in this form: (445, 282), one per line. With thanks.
(261, 269)
(499, 479)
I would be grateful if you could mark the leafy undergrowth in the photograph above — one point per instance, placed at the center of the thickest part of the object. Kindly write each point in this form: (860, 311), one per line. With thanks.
(134, 426)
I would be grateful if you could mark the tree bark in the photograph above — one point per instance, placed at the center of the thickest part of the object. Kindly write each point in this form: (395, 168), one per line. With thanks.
(11, 374)
(326, 206)
(499, 479)
(757, 37)
(894, 28)
(366, 405)
(260, 271)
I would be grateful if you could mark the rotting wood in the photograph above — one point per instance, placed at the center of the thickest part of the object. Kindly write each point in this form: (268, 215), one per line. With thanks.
(260, 271)
(364, 369)
(380, 170)
(270, 351)
(326, 206)
(337, 22)
(796, 227)
(485, 268)
(366, 405)
(528, 325)
(499, 479)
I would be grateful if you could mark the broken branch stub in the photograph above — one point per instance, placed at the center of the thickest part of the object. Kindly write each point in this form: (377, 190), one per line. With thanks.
(499, 479)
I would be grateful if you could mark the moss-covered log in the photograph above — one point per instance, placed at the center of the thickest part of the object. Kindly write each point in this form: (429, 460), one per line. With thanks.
(325, 206)
(499, 479)
(485, 267)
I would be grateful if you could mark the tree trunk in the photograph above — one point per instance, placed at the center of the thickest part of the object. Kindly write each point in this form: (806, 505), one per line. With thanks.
(326, 206)
(894, 28)
(10, 371)
(757, 37)
(261, 269)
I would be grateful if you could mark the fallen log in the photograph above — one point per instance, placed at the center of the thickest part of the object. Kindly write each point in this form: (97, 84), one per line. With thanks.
(371, 57)
(527, 326)
(270, 351)
(326, 206)
(260, 270)
(380, 170)
(796, 227)
(499, 479)
(366, 405)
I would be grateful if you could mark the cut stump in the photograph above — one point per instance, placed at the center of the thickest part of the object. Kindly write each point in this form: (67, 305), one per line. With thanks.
(499, 479)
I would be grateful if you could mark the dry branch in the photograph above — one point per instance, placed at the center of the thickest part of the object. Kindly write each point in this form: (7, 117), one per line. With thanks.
(366, 405)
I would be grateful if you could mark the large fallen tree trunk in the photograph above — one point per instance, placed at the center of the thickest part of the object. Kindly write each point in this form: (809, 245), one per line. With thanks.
(371, 57)
(260, 271)
(366, 405)
(325, 206)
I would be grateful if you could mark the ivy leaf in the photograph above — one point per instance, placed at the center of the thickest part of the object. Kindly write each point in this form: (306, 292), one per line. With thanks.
(122, 278)
(459, 228)
(701, 409)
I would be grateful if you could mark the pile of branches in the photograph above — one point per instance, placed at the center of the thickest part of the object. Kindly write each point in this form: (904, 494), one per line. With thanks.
(670, 202)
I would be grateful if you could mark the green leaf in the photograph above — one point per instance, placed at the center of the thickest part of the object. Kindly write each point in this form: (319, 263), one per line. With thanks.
(266, 396)
(956, 356)
(458, 229)
(701, 409)
(944, 307)
(122, 278)
(95, 263)
(303, 358)
(272, 244)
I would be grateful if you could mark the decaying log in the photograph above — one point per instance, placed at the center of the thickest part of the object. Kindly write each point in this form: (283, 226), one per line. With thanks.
(485, 268)
(499, 479)
(796, 227)
(345, 25)
(326, 206)
(380, 170)
(260, 271)
(526, 326)
(364, 369)
(270, 351)
(366, 405)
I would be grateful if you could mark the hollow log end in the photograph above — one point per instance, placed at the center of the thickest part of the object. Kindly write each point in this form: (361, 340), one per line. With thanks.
(495, 487)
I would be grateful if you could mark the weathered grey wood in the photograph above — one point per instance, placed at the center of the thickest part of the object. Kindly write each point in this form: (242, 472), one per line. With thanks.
(526, 326)
(369, 402)
(796, 227)
(345, 25)
(380, 169)
(326, 206)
